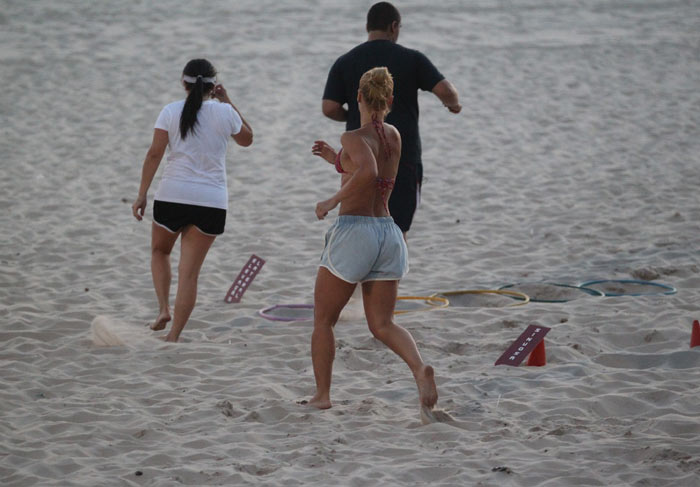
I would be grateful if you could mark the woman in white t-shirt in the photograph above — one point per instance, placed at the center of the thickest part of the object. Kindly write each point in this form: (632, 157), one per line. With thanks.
(192, 197)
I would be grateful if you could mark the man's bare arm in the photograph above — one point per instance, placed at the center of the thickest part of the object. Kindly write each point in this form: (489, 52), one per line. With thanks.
(448, 95)
(334, 110)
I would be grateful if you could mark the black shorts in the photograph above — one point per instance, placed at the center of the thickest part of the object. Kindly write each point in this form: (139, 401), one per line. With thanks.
(406, 195)
(176, 216)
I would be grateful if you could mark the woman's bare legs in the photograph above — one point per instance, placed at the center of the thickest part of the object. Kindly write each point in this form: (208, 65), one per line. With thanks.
(162, 242)
(194, 246)
(330, 296)
(379, 298)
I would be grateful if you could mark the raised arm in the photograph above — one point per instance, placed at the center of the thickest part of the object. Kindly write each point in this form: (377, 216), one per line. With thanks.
(365, 174)
(245, 136)
(324, 151)
(448, 95)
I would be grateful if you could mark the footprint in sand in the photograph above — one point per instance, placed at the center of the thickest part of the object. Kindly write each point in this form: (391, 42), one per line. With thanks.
(429, 416)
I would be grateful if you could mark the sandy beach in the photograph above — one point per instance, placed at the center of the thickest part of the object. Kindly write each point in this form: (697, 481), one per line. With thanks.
(575, 158)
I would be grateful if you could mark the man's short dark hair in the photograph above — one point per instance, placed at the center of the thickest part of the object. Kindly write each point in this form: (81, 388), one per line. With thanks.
(381, 15)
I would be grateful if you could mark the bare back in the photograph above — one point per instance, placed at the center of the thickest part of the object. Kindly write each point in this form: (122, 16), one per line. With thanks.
(370, 159)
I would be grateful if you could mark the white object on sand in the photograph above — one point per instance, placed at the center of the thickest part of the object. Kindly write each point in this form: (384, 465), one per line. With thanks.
(108, 332)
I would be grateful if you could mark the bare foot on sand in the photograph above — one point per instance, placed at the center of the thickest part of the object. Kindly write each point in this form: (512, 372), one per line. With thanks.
(427, 391)
(160, 322)
(318, 402)
(166, 338)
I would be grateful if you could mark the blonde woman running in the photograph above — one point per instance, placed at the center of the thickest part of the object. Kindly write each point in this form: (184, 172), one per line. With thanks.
(364, 245)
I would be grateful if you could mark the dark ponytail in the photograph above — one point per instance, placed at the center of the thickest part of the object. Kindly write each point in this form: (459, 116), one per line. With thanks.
(196, 70)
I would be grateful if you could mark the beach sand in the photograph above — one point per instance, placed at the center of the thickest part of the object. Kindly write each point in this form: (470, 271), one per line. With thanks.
(575, 158)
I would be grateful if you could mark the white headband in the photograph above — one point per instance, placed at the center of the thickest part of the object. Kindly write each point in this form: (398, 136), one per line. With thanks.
(192, 79)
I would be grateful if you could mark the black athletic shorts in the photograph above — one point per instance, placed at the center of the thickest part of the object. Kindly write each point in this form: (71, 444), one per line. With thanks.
(406, 195)
(176, 216)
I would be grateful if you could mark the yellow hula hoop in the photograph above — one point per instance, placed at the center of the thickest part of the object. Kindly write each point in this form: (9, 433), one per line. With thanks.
(521, 297)
(435, 302)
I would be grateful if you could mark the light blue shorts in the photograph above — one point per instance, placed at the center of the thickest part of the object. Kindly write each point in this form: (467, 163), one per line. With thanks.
(365, 248)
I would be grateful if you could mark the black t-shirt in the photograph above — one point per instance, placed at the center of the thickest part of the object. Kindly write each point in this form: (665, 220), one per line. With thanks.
(411, 71)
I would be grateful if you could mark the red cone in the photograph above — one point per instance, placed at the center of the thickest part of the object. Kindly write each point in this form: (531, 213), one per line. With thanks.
(695, 335)
(538, 357)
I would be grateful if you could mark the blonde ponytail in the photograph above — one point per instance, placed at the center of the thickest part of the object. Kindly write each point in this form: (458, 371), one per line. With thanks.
(377, 87)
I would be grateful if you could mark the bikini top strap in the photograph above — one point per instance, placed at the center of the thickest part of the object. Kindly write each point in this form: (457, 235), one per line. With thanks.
(384, 185)
(379, 128)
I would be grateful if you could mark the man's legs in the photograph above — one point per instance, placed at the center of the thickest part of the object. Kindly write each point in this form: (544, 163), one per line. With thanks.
(405, 196)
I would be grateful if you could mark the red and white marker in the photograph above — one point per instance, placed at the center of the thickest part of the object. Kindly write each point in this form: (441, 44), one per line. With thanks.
(521, 348)
(245, 277)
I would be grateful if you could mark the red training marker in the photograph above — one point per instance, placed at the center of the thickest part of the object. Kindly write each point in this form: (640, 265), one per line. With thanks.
(521, 347)
(245, 277)
(538, 357)
(695, 335)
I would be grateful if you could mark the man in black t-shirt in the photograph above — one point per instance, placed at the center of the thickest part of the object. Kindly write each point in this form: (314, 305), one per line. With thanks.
(411, 71)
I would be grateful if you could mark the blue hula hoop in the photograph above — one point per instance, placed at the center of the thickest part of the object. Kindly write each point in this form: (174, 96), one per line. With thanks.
(592, 292)
(666, 289)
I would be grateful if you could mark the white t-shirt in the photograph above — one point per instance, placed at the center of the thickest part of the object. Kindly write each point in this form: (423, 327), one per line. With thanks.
(195, 172)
